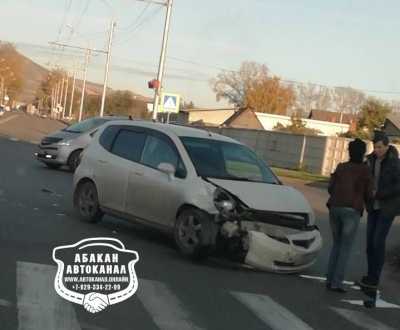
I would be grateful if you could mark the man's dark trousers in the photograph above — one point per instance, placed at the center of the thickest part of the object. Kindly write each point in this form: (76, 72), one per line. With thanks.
(377, 231)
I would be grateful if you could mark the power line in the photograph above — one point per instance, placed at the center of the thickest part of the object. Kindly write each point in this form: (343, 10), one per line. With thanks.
(138, 25)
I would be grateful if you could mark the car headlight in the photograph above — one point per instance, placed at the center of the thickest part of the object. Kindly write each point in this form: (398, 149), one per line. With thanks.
(223, 201)
(64, 143)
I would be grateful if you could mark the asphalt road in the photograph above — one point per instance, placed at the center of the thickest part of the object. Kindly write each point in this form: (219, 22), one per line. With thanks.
(36, 216)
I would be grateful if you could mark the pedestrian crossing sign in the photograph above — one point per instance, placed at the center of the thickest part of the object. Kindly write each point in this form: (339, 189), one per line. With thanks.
(170, 102)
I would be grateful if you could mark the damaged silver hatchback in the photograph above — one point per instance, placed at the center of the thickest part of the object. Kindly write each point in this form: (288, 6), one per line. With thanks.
(211, 192)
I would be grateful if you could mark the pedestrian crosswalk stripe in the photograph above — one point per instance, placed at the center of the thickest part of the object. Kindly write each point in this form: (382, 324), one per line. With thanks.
(165, 308)
(39, 307)
(361, 320)
(271, 313)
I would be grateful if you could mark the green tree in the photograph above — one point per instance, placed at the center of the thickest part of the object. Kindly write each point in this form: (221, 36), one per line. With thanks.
(372, 115)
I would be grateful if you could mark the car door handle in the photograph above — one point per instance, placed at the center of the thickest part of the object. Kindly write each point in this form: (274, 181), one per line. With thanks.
(102, 161)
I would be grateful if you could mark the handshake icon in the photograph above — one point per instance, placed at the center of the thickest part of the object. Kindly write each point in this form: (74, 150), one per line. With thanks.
(95, 302)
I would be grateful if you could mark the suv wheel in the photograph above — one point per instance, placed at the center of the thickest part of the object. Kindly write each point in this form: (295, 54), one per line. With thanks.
(193, 233)
(74, 160)
(86, 202)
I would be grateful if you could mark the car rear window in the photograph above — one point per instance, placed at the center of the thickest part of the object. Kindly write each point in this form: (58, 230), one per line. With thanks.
(107, 137)
(129, 145)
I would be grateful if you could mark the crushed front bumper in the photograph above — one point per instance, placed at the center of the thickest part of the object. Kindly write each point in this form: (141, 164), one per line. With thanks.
(293, 254)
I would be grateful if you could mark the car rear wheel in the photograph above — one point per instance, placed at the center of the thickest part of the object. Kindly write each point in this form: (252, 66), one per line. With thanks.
(87, 203)
(53, 166)
(74, 160)
(194, 233)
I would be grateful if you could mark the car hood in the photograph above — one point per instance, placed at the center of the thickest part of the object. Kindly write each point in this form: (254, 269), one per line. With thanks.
(266, 197)
(64, 135)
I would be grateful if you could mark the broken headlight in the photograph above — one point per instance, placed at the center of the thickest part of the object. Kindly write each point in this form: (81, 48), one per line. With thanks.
(223, 201)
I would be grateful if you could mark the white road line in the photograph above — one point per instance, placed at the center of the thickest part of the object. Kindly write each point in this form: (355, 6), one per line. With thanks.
(164, 307)
(5, 303)
(39, 307)
(379, 303)
(361, 320)
(3, 121)
(271, 313)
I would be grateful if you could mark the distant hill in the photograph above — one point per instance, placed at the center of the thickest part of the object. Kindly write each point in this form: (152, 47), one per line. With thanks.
(33, 75)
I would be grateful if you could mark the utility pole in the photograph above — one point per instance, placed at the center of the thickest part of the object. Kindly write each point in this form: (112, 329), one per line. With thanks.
(1, 89)
(72, 95)
(62, 92)
(161, 66)
(88, 52)
(103, 97)
(65, 96)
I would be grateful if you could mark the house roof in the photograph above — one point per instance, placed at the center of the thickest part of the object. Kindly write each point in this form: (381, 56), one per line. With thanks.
(204, 109)
(394, 118)
(331, 116)
(233, 117)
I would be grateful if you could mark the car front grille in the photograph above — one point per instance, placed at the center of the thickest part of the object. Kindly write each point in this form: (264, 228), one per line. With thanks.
(50, 140)
(304, 243)
(291, 220)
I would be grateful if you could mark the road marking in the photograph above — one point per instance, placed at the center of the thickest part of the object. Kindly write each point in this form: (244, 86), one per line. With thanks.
(3, 121)
(361, 320)
(379, 303)
(323, 279)
(164, 307)
(5, 303)
(271, 313)
(39, 307)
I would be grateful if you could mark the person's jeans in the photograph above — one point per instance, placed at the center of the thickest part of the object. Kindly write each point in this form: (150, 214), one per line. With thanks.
(344, 224)
(377, 230)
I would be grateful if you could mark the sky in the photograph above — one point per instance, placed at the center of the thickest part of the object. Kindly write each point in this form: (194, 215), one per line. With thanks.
(336, 43)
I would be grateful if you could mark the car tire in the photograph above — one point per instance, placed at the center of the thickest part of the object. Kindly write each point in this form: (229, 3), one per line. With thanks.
(195, 233)
(74, 160)
(53, 166)
(86, 202)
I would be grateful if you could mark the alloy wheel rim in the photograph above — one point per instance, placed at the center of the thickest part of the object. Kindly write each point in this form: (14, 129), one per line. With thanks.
(189, 232)
(87, 202)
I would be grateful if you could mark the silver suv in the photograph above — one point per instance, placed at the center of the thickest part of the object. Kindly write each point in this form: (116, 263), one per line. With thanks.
(64, 147)
(211, 192)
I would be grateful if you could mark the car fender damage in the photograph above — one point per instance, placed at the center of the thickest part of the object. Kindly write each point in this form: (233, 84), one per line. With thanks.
(265, 240)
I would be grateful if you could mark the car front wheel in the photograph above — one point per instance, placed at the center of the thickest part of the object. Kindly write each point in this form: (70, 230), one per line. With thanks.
(194, 233)
(86, 202)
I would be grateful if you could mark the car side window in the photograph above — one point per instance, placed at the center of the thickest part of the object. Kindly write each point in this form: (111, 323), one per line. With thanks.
(157, 151)
(129, 144)
(107, 137)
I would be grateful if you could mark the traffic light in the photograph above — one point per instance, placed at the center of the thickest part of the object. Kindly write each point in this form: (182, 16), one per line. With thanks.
(154, 84)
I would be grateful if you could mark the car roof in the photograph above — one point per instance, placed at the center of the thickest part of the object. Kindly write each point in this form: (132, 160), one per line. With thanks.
(178, 130)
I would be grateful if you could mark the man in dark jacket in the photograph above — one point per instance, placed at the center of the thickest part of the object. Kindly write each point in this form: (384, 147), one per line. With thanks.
(384, 165)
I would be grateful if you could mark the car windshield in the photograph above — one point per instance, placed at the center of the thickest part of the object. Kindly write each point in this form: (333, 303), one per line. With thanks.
(225, 160)
(85, 126)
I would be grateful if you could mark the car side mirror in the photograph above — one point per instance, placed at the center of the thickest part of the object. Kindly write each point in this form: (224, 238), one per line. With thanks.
(167, 168)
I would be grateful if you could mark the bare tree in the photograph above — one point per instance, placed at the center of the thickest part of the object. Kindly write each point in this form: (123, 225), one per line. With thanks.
(253, 87)
(233, 85)
(311, 96)
(348, 100)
